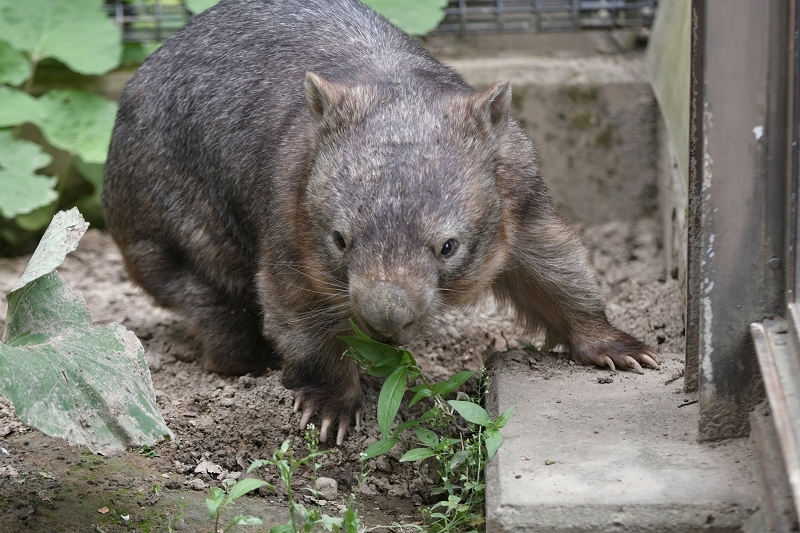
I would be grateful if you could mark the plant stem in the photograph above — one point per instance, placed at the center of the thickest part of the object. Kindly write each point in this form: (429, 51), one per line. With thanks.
(62, 176)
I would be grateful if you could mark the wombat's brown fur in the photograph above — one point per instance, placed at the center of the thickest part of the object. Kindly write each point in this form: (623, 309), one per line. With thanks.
(278, 168)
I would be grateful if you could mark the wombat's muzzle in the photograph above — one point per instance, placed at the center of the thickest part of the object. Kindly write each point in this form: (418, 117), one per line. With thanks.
(386, 309)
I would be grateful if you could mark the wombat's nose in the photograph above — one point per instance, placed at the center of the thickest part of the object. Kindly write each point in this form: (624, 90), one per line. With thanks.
(387, 309)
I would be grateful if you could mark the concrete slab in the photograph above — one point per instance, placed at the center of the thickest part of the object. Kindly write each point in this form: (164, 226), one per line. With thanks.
(580, 455)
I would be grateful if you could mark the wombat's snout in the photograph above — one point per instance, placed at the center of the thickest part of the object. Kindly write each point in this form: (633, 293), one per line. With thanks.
(386, 309)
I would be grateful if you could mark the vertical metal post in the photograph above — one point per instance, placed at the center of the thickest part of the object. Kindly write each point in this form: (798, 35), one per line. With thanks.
(694, 217)
(737, 186)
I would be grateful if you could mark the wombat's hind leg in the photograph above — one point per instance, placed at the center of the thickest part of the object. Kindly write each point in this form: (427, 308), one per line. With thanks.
(232, 341)
(227, 324)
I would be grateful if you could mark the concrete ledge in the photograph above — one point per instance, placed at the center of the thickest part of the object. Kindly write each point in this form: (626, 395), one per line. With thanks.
(584, 456)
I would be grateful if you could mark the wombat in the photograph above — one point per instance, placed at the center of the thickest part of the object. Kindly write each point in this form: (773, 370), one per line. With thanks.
(278, 168)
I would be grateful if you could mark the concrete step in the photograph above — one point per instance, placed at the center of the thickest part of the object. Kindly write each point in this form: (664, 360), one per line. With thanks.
(581, 455)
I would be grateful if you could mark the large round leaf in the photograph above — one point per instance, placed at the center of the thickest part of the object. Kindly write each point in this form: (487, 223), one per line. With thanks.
(78, 122)
(64, 375)
(76, 32)
(14, 67)
(22, 191)
(416, 17)
(18, 107)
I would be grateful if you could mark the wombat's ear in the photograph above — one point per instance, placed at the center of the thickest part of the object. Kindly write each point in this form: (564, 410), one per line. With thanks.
(492, 107)
(322, 95)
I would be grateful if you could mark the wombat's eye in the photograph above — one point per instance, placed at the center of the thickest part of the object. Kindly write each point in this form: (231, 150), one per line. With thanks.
(449, 247)
(339, 240)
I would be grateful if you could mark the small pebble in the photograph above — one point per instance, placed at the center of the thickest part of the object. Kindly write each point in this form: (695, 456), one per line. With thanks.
(328, 488)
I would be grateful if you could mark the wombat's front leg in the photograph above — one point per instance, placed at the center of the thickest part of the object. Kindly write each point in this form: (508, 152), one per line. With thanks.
(324, 381)
(552, 288)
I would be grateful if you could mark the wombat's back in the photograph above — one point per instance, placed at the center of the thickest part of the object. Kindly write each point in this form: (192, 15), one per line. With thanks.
(206, 115)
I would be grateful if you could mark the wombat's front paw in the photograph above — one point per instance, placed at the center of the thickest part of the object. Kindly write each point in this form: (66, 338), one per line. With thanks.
(615, 349)
(333, 405)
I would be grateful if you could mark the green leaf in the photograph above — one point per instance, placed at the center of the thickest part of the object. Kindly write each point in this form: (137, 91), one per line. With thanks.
(502, 420)
(452, 384)
(417, 454)
(427, 437)
(376, 352)
(458, 458)
(65, 376)
(382, 371)
(283, 528)
(352, 523)
(22, 191)
(78, 122)
(406, 425)
(379, 448)
(330, 522)
(493, 439)
(216, 499)
(472, 412)
(416, 17)
(14, 67)
(18, 107)
(246, 520)
(197, 6)
(76, 32)
(244, 486)
(421, 393)
(389, 399)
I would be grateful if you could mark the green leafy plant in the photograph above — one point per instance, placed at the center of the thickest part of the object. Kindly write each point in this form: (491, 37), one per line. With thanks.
(301, 518)
(76, 34)
(220, 498)
(415, 17)
(460, 452)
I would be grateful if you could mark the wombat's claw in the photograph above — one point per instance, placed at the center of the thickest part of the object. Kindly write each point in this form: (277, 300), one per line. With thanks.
(650, 361)
(326, 423)
(607, 360)
(633, 364)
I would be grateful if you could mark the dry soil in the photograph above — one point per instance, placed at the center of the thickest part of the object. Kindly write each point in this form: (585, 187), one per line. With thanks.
(223, 423)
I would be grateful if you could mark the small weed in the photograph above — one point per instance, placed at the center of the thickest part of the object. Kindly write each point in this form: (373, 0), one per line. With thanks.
(302, 518)
(460, 451)
(148, 452)
(220, 498)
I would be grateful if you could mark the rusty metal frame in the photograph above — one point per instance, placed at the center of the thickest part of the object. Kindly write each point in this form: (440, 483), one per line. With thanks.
(737, 201)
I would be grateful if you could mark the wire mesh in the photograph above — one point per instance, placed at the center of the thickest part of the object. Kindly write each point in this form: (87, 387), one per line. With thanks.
(155, 20)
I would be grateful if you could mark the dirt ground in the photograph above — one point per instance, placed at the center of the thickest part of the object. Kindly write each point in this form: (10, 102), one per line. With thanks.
(223, 423)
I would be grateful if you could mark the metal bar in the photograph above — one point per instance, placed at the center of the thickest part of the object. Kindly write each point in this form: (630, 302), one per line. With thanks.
(777, 352)
(695, 189)
(740, 174)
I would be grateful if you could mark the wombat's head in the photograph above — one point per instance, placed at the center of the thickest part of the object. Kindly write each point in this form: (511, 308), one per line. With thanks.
(402, 198)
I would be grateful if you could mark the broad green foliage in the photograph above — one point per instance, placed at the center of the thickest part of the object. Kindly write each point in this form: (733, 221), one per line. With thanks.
(14, 67)
(416, 17)
(65, 376)
(196, 6)
(76, 32)
(80, 35)
(18, 107)
(78, 122)
(22, 191)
